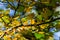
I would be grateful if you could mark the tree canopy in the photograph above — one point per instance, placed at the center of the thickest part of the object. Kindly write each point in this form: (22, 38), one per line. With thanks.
(29, 19)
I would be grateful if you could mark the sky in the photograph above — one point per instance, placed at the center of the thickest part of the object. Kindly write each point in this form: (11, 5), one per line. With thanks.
(3, 7)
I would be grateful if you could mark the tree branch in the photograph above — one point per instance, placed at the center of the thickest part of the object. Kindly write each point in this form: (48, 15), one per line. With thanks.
(17, 7)
(39, 24)
(30, 25)
(10, 4)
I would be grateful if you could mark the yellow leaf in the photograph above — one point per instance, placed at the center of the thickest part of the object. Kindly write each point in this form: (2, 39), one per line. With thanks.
(28, 0)
(32, 21)
(25, 23)
(44, 26)
(24, 19)
(50, 38)
(41, 32)
(0, 20)
(15, 23)
(16, 17)
(45, 1)
(7, 11)
(15, 39)
(32, 3)
(1, 32)
(7, 38)
(1, 15)
(17, 35)
(28, 9)
(6, 19)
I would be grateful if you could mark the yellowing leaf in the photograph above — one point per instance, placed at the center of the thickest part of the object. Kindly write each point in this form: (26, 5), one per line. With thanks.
(14, 38)
(11, 0)
(25, 23)
(50, 38)
(28, 0)
(28, 9)
(1, 32)
(15, 23)
(24, 19)
(0, 20)
(44, 26)
(7, 12)
(45, 1)
(17, 35)
(7, 38)
(16, 17)
(32, 3)
(41, 32)
(1, 15)
(32, 21)
(6, 19)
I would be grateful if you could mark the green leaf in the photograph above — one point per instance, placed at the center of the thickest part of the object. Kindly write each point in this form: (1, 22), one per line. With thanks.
(38, 36)
(39, 17)
(21, 8)
(24, 19)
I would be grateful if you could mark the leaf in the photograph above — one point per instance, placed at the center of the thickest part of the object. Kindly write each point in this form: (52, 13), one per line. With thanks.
(6, 19)
(56, 14)
(7, 11)
(30, 15)
(1, 20)
(45, 0)
(46, 13)
(58, 26)
(10, 0)
(21, 8)
(32, 21)
(39, 17)
(15, 23)
(38, 36)
(24, 19)
(7, 38)
(1, 32)
(28, 0)
(50, 38)
(14, 38)
(44, 26)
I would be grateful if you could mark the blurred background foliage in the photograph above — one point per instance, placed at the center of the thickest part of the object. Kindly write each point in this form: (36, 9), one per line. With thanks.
(29, 19)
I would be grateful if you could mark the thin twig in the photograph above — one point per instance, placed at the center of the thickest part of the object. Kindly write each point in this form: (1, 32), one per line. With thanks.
(10, 4)
(17, 7)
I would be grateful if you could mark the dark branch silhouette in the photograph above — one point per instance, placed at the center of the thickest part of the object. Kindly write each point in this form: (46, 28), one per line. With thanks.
(10, 4)
(31, 25)
(17, 7)
(39, 24)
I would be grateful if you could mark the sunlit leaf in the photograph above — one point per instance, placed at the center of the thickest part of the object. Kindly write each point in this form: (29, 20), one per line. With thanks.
(38, 36)
(39, 17)
(6, 19)
(7, 38)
